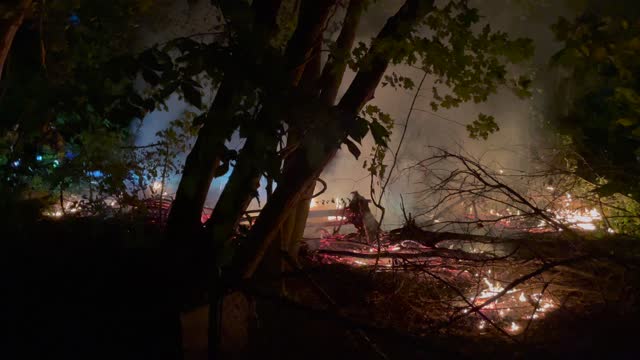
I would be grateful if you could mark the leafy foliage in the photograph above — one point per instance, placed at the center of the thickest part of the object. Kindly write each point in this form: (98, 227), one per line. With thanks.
(68, 99)
(602, 114)
(482, 127)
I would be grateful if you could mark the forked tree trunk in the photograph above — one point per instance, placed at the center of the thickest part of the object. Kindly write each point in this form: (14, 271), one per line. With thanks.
(241, 187)
(251, 163)
(9, 28)
(203, 160)
(304, 170)
(327, 86)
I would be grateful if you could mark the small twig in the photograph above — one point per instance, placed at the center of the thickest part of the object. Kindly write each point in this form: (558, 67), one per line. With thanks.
(394, 163)
(134, 147)
(535, 309)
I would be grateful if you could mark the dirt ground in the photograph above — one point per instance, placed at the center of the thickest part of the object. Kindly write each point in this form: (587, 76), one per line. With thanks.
(75, 294)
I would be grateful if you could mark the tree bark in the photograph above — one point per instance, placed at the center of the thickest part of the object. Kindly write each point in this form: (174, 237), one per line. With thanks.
(251, 163)
(314, 15)
(396, 29)
(337, 64)
(203, 160)
(241, 187)
(326, 83)
(9, 28)
(293, 228)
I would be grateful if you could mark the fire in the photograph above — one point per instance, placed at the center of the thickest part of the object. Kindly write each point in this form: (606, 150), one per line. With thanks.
(522, 297)
(514, 305)
(336, 218)
(579, 218)
(492, 290)
(514, 327)
(569, 214)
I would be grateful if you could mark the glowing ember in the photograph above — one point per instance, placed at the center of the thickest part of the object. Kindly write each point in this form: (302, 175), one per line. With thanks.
(588, 227)
(522, 297)
(54, 214)
(514, 304)
(582, 219)
(492, 290)
(514, 327)
(336, 218)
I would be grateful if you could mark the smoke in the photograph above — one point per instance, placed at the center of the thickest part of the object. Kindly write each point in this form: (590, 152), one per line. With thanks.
(520, 128)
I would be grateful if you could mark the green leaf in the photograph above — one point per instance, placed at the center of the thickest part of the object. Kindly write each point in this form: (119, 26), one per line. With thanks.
(482, 127)
(609, 189)
(380, 133)
(353, 148)
(200, 119)
(358, 129)
(222, 169)
(150, 77)
(191, 94)
(626, 122)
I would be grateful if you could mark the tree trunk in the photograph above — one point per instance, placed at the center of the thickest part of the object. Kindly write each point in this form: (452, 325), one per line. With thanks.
(9, 27)
(293, 227)
(337, 64)
(299, 177)
(304, 170)
(241, 187)
(307, 38)
(203, 161)
(251, 163)
(327, 84)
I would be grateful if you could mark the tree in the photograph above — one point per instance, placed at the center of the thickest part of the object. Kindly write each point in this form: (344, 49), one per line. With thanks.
(12, 18)
(270, 86)
(471, 64)
(268, 93)
(599, 97)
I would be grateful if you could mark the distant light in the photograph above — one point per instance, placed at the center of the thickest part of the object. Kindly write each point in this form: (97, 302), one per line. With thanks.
(74, 20)
(16, 163)
(56, 163)
(96, 173)
(38, 157)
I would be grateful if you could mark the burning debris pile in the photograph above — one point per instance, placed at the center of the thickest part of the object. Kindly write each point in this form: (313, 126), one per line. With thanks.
(481, 292)
(508, 262)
